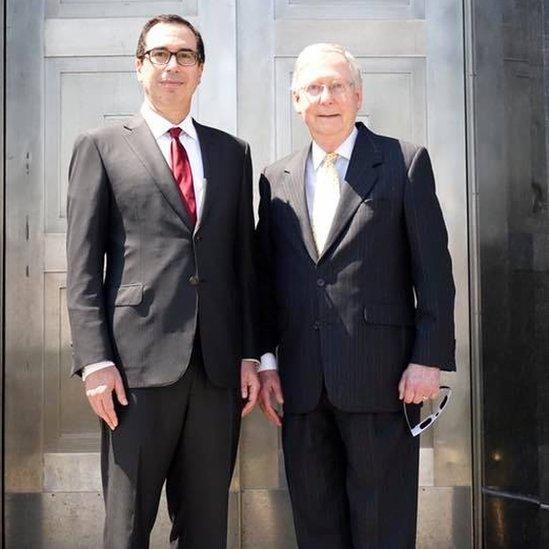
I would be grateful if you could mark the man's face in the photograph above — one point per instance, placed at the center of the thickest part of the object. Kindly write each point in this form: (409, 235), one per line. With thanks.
(169, 86)
(329, 116)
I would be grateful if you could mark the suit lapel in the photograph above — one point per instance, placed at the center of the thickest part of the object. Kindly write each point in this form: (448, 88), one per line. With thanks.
(361, 176)
(294, 185)
(144, 145)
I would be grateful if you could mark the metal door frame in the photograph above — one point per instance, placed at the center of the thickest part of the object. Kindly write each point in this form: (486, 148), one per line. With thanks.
(474, 272)
(2, 232)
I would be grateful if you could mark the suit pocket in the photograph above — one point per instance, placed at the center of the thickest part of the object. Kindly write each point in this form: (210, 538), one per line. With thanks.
(128, 295)
(389, 314)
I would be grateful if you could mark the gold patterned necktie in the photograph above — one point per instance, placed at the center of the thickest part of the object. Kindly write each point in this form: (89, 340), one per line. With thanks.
(326, 198)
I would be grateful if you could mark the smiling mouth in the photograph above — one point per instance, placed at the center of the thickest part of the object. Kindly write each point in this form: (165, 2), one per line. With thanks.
(328, 115)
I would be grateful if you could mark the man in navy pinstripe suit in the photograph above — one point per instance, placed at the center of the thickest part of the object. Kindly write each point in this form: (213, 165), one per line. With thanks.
(357, 299)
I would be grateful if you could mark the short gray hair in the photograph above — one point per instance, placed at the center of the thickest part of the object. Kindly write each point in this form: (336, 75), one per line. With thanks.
(310, 53)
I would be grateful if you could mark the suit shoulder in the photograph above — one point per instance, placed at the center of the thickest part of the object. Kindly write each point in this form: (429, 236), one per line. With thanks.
(409, 152)
(392, 144)
(397, 149)
(98, 138)
(223, 137)
(274, 170)
(102, 133)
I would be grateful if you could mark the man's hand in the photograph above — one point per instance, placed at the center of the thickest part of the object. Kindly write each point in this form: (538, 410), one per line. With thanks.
(249, 385)
(419, 383)
(270, 386)
(99, 388)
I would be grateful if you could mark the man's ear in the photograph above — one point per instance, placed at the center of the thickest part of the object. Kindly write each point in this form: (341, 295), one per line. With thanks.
(201, 73)
(296, 101)
(138, 63)
(359, 98)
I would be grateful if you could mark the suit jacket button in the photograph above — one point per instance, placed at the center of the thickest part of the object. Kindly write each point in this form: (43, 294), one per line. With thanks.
(316, 325)
(320, 282)
(194, 280)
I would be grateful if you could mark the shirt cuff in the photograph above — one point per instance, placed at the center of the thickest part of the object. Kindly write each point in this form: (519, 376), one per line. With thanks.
(268, 362)
(91, 368)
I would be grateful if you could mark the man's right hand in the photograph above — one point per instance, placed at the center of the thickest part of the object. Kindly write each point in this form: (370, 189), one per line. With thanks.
(270, 386)
(99, 388)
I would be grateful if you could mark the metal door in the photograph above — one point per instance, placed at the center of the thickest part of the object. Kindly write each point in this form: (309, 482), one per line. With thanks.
(70, 67)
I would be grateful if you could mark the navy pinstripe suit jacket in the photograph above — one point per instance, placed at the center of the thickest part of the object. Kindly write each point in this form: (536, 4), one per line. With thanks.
(380, 295)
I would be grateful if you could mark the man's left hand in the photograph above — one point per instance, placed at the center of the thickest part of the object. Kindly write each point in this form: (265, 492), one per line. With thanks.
(419, 383)
(249, 385)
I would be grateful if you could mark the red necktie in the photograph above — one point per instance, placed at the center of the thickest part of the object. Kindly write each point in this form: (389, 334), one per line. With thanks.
(181, 168)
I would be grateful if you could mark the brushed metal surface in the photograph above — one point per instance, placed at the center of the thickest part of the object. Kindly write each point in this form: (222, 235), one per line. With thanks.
(72, 472)
(446, 117)
(349, 9)
(471, 39)
(81, 472)
(218, 87)
(95, 37)
(267, 521)
(2, 186)
(360, 37)
(23, 247)
(444, 518)
(118, 8)
(261, 453)
(69, 422)
(116, 95)
(74, 520)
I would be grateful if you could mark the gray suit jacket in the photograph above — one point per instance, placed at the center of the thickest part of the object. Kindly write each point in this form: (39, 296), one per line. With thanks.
(139, 281)
(379, 296)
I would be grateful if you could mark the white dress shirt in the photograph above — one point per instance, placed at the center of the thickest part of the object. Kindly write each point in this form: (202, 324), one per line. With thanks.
(314, 160)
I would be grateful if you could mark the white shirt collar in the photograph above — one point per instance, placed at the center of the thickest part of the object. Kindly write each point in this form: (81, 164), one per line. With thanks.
(159, 125)
(345, 149)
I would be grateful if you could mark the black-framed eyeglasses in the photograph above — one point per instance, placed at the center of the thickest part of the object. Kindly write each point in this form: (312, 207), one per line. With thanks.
(430, 419)
(162, 56)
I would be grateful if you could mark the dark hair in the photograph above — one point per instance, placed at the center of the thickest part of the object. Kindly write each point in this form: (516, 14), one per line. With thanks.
(174, 20)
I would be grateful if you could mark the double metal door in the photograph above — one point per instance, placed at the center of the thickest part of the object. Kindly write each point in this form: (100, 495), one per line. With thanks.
(69, 68)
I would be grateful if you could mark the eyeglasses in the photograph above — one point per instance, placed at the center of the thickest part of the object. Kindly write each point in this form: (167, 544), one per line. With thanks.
(336, 89)
(429, 420)
(162, 56)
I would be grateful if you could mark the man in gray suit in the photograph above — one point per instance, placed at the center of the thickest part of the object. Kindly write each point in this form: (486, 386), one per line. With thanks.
(357, 299)
(168, 327)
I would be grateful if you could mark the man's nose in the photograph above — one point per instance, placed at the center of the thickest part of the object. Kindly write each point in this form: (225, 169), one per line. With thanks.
(172, 63)
(326, 95)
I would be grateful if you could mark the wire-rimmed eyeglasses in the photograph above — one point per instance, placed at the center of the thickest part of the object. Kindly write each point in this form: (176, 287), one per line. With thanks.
(336, 89)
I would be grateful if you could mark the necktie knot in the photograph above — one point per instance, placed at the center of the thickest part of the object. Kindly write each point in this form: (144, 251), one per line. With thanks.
(175, 132)
(330, 159)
